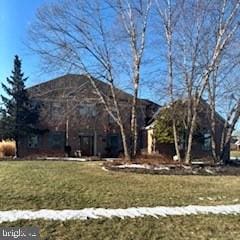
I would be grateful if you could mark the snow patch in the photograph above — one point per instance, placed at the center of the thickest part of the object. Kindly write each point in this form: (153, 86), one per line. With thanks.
(209, 198)
(96, 213)
(215, 198)
(209, 171)
(64, 159)
(104, 169)
(140, 166)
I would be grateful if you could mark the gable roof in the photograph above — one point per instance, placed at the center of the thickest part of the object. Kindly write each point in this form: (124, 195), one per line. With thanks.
(71, 82)
(203, 102)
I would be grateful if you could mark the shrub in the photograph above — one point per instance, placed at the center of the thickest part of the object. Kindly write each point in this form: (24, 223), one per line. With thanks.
(7, 148)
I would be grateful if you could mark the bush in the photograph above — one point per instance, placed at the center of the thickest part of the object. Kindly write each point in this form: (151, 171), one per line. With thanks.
(7, 148)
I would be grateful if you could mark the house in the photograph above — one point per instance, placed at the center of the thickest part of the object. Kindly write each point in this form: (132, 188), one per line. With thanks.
(201, 147)
(235, 143)
(73, 120)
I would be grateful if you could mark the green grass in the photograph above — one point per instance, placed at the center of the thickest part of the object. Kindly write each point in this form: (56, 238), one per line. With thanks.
(235, 154)
(71, 185)
(198, 227)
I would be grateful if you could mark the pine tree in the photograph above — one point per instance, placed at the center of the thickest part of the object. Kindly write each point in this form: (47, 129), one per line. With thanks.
(18, 115)
(164, 126)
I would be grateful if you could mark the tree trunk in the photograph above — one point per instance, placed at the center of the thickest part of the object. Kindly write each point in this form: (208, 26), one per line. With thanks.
(215, 153)
(189, 149)
(17, 148)
(190, 136)
(134, 132)
(124, 142)
(176, 140)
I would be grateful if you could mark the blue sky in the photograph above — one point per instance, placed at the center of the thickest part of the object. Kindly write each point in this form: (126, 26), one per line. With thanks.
(15, 17)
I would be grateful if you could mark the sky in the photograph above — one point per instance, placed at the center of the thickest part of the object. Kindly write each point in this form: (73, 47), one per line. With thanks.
(15, 17)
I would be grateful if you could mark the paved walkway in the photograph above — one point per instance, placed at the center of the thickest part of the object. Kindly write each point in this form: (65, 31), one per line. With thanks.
(96, 213)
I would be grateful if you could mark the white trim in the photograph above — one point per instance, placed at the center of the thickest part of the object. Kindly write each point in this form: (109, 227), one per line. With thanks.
(150, 126)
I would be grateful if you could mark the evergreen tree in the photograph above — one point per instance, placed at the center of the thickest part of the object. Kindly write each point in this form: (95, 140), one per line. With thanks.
(164, 126)
(18, 115)
(163, 129)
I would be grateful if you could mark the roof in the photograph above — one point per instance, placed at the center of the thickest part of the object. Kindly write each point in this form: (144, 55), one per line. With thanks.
(202, 101)
(72, 81)
(237, 142)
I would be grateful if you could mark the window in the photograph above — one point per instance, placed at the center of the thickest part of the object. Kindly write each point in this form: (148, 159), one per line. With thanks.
(110, 118)
(207, 142)
(36, 103)
(56, 140)
(87, 110)
(33, 141)
(56, 110)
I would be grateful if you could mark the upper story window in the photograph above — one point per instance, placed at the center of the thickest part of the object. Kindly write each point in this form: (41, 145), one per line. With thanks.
(87, 110)
(206, 141)
(56, 110)
(110, 118)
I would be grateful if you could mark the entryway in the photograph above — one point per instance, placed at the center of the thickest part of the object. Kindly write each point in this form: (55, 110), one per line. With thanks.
(86, 145)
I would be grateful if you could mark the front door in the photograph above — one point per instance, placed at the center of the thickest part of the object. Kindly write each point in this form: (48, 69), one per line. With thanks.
(86, 145)
(113, 144)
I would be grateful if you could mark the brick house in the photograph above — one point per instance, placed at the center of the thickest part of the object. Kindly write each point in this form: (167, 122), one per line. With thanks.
(72, 115)
(201, 147)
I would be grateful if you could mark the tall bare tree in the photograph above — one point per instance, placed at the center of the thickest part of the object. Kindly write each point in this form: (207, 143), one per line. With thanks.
(223, 95)
(202, 34)
(134, 17)
(169, 13)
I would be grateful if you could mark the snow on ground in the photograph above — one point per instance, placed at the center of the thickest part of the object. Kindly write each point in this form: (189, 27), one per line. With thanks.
(215, 198)
(95, 213)
(63, 159)
(104, 169)
(142, 166)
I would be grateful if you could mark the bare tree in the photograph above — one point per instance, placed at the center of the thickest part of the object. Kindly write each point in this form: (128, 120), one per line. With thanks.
(92, 38)
(223, 95)
(202, 34)
(134, 17)
(169, 13)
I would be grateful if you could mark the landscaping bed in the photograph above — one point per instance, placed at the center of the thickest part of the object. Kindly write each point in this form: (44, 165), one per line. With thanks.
(169, 167)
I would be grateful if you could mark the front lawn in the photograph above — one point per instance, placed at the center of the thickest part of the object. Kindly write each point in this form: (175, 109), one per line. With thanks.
(235, 154)
(73, 185)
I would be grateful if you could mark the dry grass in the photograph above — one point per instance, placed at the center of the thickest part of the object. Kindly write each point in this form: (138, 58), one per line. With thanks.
(73, 185)
(76, 185)
(7, 148)
(235, 154)
(199, 227)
